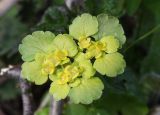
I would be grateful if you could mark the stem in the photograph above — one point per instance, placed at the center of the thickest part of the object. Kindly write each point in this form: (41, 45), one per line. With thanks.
(56, 107)
(27, 97)
(143, 37)
(5, 5)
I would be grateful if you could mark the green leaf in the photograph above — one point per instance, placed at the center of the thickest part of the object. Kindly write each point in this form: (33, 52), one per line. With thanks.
(65, 42)
(75, 108)
(111, 7)
(43, 111)
(59, 91)
(109, 26)
(86, 64)
(132, 6)
(125, 104)
(55, 19)
(32, 71)
(153, 7)
(80, 109)
(55, 75)
(110, 64)
(112, 44)
(151, 62)
(83, 26)
(87, 91)
(10, 36)
(38, 42)
(8, 90)
(59, 2)
(95, 111)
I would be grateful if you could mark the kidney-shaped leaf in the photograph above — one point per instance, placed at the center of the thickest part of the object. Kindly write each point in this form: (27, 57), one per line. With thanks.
(87, 91)
(109, 25)
(38, 42)
(110, 64)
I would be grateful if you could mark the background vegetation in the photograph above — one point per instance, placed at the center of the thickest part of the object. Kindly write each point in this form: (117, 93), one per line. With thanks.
(135, 92)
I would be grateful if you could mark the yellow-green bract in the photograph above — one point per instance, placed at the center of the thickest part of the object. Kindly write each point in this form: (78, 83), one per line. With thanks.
(65, 59)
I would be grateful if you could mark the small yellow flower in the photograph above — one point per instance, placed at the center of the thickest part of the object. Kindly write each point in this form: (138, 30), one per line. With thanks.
(84, 43)
(96, 49)
(61, 54)
(75, 83)
(73, 71)
(48, 67)
(70, 73)
(65, 78)
(53, 59)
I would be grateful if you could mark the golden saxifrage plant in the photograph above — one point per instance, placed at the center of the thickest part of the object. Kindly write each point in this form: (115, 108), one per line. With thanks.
(72, 60)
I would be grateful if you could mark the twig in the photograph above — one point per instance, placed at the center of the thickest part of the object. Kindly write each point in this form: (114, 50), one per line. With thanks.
(155, 110)
(74, 3)
(6, 5)
(11, 72)
(27, 97)
(56, 107)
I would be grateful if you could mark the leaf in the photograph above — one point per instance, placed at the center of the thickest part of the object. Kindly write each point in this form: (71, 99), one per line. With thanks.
(109, 26)
(43, 111)
(95, 111)
(59, 2)
(9, 90)
(83, 26)
(151, 63)
(125, 104)
(132, 6)
(38, 42)
(59, 91)
(111, 7)
(87, 91)
(10, 36)
(86, 64)
(55, 75)
(110, 64)
(153, 7)
(55, 19)
(75, 108)
(80, 109)
(32, 71)
(112, 44)
(65, 42)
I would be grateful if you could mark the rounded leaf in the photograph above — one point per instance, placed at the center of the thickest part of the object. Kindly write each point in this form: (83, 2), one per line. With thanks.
(32, 72)
(110, 64)
(112, 44)
(86, 64)
(87, 91)
(59, 91)
(38, 42)
(65, 42)
(83, 26)
(109, 25)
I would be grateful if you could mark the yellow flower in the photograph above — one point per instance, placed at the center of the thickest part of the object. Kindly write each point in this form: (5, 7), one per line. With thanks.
(96, 49)
(84, 43)
(65, 78)
(70, 73)
(61, 54)
(48, 67)
(53, 59)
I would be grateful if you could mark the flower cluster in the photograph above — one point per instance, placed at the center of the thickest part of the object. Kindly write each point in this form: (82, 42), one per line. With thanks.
(71, 60)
